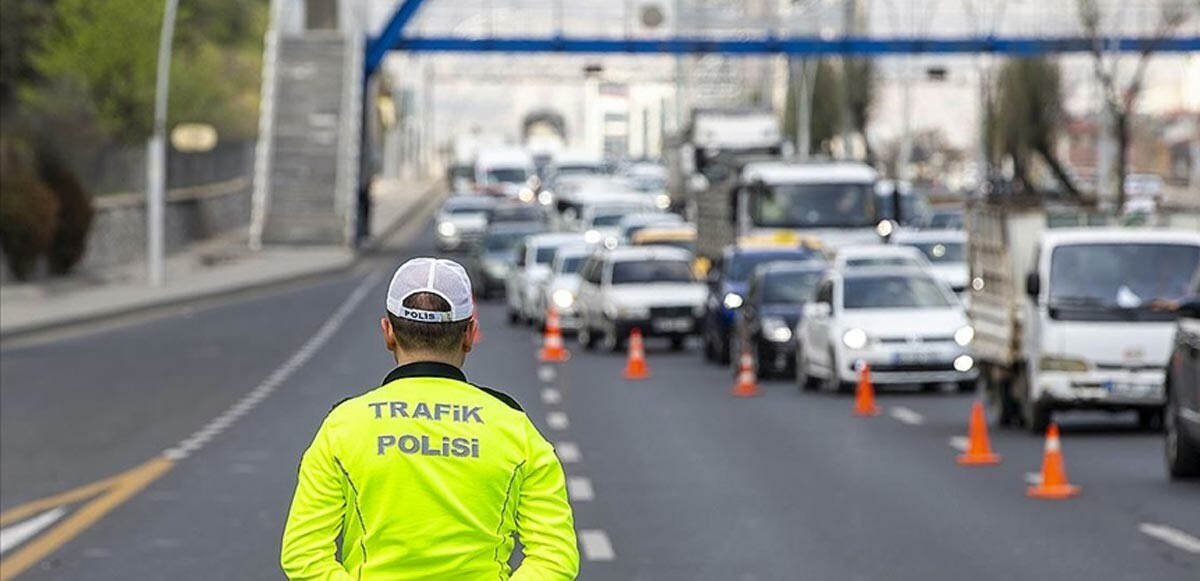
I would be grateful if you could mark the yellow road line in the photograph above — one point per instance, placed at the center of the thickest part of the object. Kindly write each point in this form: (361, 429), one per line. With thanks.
(110, 493)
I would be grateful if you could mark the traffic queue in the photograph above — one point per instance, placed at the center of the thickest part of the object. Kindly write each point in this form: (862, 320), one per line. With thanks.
(1039, 310)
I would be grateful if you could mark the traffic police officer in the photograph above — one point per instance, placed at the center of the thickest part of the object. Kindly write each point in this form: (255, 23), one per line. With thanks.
(429, 476)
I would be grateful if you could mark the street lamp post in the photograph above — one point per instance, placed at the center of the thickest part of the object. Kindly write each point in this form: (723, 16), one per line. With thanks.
(156, 172)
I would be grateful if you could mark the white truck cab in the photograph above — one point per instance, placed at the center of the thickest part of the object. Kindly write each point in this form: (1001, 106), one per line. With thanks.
(1068, 318)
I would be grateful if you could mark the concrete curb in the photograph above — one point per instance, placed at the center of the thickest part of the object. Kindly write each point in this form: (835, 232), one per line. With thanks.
(420, 206)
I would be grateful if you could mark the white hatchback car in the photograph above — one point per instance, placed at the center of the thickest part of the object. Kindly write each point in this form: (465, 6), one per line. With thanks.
(562, 287)
(904, 322)
(533, 262)
(651, 288)
(946, 251)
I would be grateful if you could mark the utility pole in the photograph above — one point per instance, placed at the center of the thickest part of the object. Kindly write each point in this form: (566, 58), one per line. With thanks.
(156, 150)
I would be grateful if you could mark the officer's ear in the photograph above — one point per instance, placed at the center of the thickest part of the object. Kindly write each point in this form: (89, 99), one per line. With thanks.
(389, 336)
(468, 341)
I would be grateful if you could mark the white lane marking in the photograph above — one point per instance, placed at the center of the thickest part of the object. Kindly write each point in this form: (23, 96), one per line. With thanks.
(1171, 536)
(1033, 478)
(558, 420)
(959, 443)
(260, 392)
(906, 416)
(580, 489)
(568, 452)
(551, 395)
(547, 374)
(14, 535)
(596, 546)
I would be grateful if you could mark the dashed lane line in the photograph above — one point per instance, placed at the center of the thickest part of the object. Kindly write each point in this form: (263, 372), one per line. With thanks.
(1033, 478)
(551, 396)
(959, 443)
(213, 428)
(1171, 536)
(547, 374)
(906, 416)
(579, 489)
(568, 452)
(596, 546)
(558, 420)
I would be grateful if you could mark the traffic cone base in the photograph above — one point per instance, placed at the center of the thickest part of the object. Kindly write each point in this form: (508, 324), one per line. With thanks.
(864, 394)
(552, 347)
(636, 366)
(1054, 484)
(747, 381)
(979, 449)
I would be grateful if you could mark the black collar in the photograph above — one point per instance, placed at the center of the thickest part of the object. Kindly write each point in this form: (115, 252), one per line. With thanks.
(425, 369)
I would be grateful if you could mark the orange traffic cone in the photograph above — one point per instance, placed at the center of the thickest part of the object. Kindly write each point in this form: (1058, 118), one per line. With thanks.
(864, 396)
(552, 346)
(636, 367)
(747, 380)
(1054, 476)
(979, 449)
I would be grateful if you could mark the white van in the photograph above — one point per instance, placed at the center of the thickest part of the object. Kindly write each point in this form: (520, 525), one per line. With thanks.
(505, 171)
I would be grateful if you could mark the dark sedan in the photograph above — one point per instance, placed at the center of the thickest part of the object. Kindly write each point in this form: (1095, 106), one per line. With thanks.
(1182, 418)
(774, 301)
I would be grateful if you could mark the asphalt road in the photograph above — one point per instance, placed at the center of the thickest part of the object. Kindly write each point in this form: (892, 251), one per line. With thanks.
(670, 477)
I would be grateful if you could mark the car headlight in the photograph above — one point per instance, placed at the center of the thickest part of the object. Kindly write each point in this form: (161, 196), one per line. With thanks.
(545, 198)
(964, 336)
(447, 229)
(662, 201)
(776, 330)
(591, 236)
(563, 298)
(732, 300)
(611, 243)
(1054, 363)
(855, 338)
(963, 363)
(525, 195)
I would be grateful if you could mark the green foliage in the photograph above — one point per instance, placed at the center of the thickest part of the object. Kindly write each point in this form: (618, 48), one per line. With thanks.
(1028, 115)
(20, 23)
(28, 211)
(860, 96)
(111, 48)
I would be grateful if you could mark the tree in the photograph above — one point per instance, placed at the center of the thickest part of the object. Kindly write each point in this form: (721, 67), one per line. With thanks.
(1120, 100)
(1027, 116)
(860, 96)
(20, 23)
(826, 115)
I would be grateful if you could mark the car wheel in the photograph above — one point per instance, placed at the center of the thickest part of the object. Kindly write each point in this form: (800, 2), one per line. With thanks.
(587, 337)
(833, 383)
(1183, 453)
(804, 381)
(1150, 420)
(677, 342)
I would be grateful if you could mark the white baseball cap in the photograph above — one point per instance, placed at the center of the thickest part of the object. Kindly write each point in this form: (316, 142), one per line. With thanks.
(444, 278)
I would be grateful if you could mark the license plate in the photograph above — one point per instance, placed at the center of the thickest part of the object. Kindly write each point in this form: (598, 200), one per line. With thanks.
(672, 325)
(912, 357)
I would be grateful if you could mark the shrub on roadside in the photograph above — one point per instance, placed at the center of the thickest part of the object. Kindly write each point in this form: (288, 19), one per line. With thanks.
(28, 213)
(75, 213)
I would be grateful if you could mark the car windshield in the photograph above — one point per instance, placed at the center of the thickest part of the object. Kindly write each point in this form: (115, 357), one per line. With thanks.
(941, 252)
(605, 220)
(789, 287)
(866, 261)
(893, 291)
(516, 214)
(507, 175)
(742, 265)
(571, 265)
(647, 271)
(1119, 281)
(499, 241)
(648, 183)
(945, 221)
(468, 209)
(461, 172)
(579, 169)
(815, 206)
(911, 208)
(545, 254)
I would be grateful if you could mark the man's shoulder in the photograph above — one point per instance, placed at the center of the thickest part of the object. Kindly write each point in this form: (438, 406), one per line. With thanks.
(500, 395)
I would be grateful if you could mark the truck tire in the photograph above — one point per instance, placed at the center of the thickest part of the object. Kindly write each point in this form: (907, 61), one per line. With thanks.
(1037, 417)
(1183, 453)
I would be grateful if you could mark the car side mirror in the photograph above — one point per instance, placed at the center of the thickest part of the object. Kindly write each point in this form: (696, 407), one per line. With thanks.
(1033, 285)
(817, 310)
